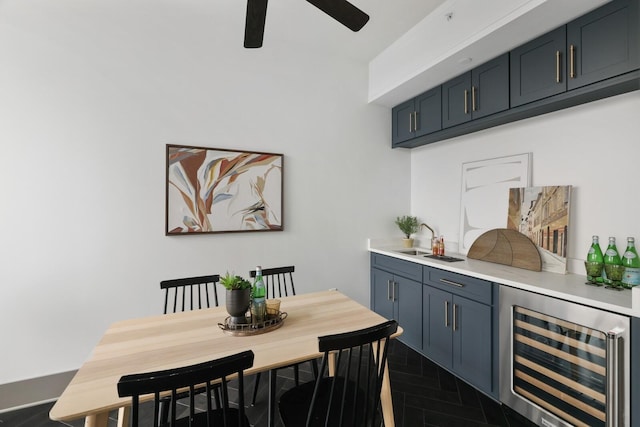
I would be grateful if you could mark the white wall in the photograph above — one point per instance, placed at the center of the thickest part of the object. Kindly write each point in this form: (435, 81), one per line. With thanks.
(90, 93)
(593, 147)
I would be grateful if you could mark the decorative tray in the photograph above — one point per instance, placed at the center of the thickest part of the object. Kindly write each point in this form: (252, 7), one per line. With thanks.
(271, 323)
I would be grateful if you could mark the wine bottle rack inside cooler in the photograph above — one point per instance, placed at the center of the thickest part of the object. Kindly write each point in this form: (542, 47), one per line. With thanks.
(560, 366)
(564, 364)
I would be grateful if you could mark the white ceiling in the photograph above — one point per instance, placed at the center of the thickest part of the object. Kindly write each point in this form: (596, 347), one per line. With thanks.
(410, 45)
(291, 25)
(402, 42)
(298, 24)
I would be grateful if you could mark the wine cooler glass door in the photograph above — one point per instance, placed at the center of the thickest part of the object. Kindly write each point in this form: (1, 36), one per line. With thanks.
(564, 365)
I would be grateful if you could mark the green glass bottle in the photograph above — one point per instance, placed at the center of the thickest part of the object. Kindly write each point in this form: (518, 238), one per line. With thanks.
(595, 263)
(631, 264)
(595, 253)
(612, 264)
(259, 304)
(611, 255)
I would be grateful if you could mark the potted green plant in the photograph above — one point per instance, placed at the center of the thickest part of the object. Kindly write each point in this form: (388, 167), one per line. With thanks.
(238, 298)
(408, 225)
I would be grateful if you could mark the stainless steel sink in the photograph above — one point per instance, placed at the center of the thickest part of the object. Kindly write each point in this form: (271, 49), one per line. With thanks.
(413, 252)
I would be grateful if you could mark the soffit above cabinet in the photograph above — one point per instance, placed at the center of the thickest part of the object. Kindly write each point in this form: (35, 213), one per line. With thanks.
(460, 35)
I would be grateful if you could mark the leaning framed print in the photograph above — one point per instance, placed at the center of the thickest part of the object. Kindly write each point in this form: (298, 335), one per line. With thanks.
(215, 190)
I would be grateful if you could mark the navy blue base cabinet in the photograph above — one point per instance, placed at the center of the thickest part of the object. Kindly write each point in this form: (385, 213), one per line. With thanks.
(460, 324)
(396, 295)
(447, 317)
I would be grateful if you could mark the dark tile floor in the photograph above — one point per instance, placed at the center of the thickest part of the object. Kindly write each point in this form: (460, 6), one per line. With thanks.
(423, 395)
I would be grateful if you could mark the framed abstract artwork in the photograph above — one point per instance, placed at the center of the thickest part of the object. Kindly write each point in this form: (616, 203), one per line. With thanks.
(214, 190)
(485, 194)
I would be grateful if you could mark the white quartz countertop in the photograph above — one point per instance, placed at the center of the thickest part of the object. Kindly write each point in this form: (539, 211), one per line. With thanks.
(570, 287)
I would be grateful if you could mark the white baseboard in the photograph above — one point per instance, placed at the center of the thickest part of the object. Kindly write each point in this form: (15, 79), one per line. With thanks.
(22, 394)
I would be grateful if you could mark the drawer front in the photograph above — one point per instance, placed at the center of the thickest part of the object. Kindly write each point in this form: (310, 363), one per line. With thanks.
(403, 268)
(459, 284)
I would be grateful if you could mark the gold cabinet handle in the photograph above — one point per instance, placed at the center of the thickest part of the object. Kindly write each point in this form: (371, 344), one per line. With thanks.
(473, 98)
(446, 314)
(572, 57)
(557, 66)
(466, 107)
(455, 314)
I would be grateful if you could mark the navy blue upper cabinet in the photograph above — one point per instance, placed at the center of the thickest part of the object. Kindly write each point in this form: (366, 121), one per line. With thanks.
(592, 57)
(455, 102)
(538, 68)
(402, 122)
(477, 93)
(597, 46)
(490, 87)
(603, 43)
(416, 117)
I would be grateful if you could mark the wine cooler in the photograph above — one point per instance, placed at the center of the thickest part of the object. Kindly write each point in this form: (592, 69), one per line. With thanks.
(563, 364)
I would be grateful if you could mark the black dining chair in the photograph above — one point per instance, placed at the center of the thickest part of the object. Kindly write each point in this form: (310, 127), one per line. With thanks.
(351, 397)
(278, 283)
(175, 381)
(190, 293)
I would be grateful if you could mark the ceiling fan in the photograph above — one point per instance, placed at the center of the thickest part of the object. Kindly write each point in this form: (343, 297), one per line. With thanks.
(340, 10)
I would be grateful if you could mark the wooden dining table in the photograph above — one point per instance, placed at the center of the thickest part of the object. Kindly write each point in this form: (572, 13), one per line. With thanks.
(179, 339)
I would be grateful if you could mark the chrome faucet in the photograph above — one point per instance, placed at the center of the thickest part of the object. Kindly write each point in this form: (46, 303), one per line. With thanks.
(431, 229)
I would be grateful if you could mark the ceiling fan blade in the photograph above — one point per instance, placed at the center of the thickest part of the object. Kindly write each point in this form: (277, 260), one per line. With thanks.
(343, 12)
(254, 26)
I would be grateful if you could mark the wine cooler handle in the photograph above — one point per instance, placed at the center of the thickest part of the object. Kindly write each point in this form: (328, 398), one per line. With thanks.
(614, 385)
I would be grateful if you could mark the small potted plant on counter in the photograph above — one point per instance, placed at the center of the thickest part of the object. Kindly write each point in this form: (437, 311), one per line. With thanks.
(238, 297)
(408, 225)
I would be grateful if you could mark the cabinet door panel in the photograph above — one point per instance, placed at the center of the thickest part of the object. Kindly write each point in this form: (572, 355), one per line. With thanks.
(490, 86)
(535, 69)
(472, 342)
(402, 122)
(429, 108)
(381, 292)
(456, 101)
(438, 343)
(605, 43)
(408, 295)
